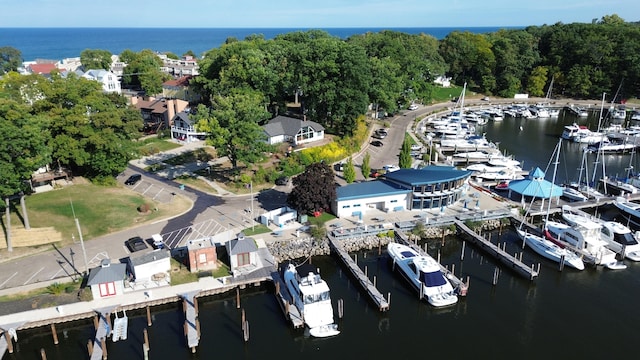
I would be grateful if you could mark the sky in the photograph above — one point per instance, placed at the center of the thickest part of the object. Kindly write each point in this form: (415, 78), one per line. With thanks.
(307, 13)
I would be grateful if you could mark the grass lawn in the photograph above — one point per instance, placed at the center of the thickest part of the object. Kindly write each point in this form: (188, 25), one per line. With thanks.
(255, 230)
(154, 145)
(100, 210)
(321, 220)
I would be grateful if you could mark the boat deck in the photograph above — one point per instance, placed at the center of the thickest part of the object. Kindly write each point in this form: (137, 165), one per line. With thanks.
(286, 302)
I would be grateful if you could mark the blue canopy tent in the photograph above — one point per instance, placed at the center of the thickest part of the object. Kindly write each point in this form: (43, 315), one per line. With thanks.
(535, 186)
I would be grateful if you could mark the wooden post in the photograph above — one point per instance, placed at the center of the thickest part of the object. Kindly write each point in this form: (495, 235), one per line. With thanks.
(462, 252)
(145, 335)
(340, 308)
(95, 322)
(277, 288)
(243, 319)
(186, 329)
(365, 271)
(90, 347)
(9, 339)
(107, 316)
(198, 327)
(195, 304)
(103, 345)
(237, 298)
(148, 316)
(43, 354)
(389, 298)
(246, 331)
(54, 333)
(453, 269)
(374, 281)
(356, 258)
(184, 306)
(286, 308)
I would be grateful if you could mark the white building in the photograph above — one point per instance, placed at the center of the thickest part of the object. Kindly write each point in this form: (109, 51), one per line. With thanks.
(151, 269)
(109, 80)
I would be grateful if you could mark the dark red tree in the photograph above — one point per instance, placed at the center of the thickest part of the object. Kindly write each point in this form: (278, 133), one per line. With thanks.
(313, 190)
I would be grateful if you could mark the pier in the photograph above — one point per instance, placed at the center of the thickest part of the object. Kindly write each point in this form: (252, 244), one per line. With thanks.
(191, 321)
(500, 254)
(103, 330)
(362, 278)
(286, 302)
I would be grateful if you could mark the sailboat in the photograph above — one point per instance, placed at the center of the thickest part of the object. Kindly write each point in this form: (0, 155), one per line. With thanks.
(547, 248)
(583, 185)
(553, 112)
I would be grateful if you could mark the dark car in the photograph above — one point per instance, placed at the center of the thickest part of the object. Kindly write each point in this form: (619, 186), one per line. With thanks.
(136, 244)
(282, 180)
(133, 179)
(377, 143)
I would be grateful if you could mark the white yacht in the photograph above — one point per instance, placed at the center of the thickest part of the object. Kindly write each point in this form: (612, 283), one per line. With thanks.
(628, 208)
(550, 250)
(310, 294)
(424, 273)
(584, 236)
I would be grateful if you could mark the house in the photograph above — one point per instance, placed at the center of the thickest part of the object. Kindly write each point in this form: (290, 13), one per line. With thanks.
(108, 80)
(184, 129)
(179, 89)
(202, 254)
(443, 81)
(107, 280)
(44, 69)
(296, 131)
(151, 269)
(187, 65)
(157, 114)
(243, 254)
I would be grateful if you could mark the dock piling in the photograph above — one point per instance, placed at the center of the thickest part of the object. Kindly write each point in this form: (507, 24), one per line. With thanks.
(462, 252)
(148, 316)
(103, 346)
(374, 280)
(496, 271)
(43, 354)
(237, 298)
(90, 347)
(246, 331)
(54, 334)
(365, 271)
(340, 308)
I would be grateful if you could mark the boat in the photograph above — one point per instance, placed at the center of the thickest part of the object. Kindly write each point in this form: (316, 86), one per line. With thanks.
(619, 238)
(502, 186)
(550, 250)
(584, 236)
(570, 132)
(424, 273)
(310, 294)
(573, 194)
(628, 208)
(611, 146)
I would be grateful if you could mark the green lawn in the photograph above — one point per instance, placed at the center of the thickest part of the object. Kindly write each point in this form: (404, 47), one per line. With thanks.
(100, 210)
(154, 145)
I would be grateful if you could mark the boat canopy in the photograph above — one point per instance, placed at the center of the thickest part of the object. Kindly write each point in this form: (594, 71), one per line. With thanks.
(431, 279)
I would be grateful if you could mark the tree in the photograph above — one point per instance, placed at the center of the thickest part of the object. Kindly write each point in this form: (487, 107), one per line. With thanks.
(233, 126)
(95, 59)
(366, 165)
(143, 71)
(349, 171)
(405, 161)
(314, 190)
(10, 59)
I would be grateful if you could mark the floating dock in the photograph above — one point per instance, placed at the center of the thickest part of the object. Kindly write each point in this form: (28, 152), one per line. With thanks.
(500, 254)
(103, 330)
(191, 321)
(363, 280)
(286, 302)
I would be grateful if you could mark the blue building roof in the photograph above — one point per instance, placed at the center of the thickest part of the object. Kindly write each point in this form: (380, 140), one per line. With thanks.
(427, 175)
(536, 186)
(367, 189)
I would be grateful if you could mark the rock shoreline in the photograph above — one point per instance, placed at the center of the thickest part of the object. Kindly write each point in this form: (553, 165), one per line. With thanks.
(285, 250)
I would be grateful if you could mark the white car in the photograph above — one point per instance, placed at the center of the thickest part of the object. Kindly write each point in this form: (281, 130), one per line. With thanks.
(413, 107)
(416, 147)
(391, 168)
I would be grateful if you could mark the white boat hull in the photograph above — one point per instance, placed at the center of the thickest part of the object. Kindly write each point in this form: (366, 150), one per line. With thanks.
(550, 251)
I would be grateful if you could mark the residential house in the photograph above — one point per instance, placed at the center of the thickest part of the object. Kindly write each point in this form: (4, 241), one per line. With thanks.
(187, 65)
(243, 254)
(151, 269)
(117, 66)
(296, 131)
(157, 114)
(184, 129)
(202, 254)
(179, 89)
(107, 280)
(43, 69)
(109, 81)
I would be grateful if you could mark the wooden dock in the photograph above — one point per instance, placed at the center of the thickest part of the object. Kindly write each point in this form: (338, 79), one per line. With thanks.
(495, 251)
(191, 321)
(3, 343)
(103, 330)
(363, 280)
(286, 302)
(460, 286)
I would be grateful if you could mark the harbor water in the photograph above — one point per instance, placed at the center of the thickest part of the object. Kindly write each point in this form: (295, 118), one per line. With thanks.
(588, 314)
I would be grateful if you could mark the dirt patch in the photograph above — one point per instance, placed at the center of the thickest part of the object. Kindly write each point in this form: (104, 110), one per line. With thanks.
(36, 302)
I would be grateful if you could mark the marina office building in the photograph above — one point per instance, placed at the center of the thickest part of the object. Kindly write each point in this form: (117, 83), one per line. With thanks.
(432, 187)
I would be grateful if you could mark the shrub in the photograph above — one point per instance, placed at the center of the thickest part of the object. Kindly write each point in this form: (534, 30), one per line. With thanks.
(55, 289)
(144, 208)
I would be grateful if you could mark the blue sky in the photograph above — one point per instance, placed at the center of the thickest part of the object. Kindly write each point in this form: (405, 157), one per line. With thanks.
(308, 14)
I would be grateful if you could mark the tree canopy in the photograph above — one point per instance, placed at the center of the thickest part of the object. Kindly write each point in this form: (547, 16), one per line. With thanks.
(313, 190)
(143, 71)
(10, 59)
(95, 59)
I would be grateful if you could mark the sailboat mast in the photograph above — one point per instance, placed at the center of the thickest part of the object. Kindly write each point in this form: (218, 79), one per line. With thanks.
(553, 181)
(595, 163)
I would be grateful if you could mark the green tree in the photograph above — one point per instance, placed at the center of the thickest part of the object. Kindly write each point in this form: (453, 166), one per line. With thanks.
(95, 59)
(10, 59)
(313, 190)
(233, 126)
(404, 158)
(349, 171)
(143, 71)
(366, 165)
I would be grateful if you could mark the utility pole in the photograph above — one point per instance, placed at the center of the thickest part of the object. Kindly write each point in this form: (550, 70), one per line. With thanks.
(84, 252)
(253, 224)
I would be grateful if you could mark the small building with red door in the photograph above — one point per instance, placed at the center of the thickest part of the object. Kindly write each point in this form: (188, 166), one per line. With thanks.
(107, 280)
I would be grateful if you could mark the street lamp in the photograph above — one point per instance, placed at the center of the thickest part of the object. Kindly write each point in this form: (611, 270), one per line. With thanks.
(84, 252)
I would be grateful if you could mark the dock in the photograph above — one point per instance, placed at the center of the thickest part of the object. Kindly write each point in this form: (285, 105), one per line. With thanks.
(286, 302)
(363, 280)
(191, 321)
(494, 250)
(103, 330)
(460, 286)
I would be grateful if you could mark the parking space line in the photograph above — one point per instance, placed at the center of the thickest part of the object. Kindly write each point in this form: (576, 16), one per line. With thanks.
(32, 276)
(9, 278)
(56, 274)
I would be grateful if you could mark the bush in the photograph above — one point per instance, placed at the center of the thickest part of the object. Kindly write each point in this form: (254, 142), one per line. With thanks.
(144, 208)
(56, 289)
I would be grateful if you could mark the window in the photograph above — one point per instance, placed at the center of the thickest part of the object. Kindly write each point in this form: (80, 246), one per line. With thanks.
(243, 259)
(393, 201)
(202, 258)
(356, 205)
(346, 206)
(107, 289)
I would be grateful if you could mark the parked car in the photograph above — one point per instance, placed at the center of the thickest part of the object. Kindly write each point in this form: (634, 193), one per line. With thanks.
(133, 179)
(282, 180)
(136, 244)
(416, 147)
(377, 143)
(158, 241)
(376, 173)
(380, 135)
(413, 107)
(391, 168)
(338, 167)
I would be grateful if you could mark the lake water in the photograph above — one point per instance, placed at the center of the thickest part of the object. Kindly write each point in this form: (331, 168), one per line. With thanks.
(590, 314)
